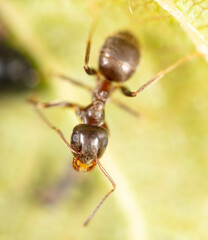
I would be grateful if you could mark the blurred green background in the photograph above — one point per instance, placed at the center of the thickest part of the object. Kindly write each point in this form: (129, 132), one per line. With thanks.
(159, 161)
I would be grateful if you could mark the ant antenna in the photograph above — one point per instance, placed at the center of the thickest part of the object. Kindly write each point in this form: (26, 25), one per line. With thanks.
(105, 197)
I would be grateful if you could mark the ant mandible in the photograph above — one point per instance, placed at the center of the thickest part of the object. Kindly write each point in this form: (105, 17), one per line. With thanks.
(118, 60)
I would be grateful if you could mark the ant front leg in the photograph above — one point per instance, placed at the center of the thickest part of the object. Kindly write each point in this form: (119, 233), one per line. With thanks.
(88, 70)
(158, 76)
(53, 104)
(38, 106)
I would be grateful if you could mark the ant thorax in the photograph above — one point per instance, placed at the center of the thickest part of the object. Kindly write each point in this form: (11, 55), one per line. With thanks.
(93, 114)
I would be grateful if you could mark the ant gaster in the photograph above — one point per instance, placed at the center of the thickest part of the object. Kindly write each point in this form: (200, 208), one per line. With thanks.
(118, 60)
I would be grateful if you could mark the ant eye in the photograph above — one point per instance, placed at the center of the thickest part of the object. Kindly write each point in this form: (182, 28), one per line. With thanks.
(75, 138)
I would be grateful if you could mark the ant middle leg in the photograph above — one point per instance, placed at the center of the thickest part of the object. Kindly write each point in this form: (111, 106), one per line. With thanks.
(73, 81)
(88, 88)
(125, 107)
(158, 76)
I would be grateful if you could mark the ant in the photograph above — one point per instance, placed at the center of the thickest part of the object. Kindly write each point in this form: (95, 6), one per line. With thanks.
(118, 60)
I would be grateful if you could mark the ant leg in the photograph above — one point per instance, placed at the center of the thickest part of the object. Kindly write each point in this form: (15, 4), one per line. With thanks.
(105, 197)
(52, 104)
(125, 107)
(75, 82)
(38, 106)
(161, 74)
(115, 101)
(88, 70)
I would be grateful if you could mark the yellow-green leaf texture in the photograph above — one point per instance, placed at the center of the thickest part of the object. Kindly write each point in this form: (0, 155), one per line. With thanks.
(158, 161)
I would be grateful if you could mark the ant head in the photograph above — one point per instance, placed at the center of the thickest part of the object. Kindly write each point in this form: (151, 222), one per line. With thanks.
(89, 143)
(119, 57)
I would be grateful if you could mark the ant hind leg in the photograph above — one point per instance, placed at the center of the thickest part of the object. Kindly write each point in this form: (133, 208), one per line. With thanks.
(89, 70)
(158, 76)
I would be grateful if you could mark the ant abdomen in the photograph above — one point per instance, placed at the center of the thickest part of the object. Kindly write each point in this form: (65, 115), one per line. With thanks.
(119, 57)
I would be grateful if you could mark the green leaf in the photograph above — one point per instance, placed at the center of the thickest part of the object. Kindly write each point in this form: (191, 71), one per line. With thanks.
(193, 18)
(158, 161)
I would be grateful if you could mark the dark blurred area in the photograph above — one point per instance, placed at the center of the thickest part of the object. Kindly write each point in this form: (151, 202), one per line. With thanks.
(17, 71)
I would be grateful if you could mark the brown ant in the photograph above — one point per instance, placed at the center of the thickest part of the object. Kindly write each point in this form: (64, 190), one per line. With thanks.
(119, 58)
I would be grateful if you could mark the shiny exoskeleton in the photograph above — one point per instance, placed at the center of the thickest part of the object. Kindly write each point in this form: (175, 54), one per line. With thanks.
(119, 58)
